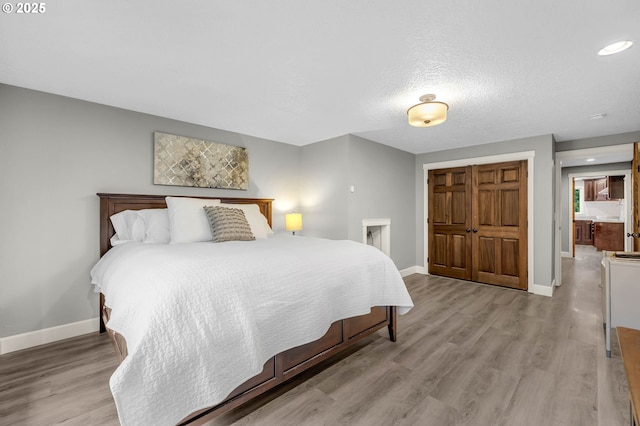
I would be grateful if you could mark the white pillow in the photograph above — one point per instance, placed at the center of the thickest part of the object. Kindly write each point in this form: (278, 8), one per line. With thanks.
(257, 222)
(187, 220)
(116, 241)
(128, 225)
(143, 226)
(156, 226)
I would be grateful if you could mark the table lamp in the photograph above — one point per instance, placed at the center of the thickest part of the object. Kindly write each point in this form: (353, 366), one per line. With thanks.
(293, 222)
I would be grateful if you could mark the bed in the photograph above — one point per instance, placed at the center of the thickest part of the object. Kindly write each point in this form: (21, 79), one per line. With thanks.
(279, 367)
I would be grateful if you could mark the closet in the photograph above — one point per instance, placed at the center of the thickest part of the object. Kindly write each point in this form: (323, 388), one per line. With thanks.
(477, 223)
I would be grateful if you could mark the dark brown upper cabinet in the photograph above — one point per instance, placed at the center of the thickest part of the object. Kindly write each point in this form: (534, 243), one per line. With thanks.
(604, 189)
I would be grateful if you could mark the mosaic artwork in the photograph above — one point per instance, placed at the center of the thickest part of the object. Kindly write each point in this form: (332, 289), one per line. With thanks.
(183, 161)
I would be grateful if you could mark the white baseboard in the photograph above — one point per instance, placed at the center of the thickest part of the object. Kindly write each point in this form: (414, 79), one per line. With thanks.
(543, 290)
(47, 335)
(566, 254)
(413, 270)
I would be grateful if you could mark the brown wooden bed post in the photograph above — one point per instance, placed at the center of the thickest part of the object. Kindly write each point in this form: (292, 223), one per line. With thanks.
(393, 321)
(103, 328)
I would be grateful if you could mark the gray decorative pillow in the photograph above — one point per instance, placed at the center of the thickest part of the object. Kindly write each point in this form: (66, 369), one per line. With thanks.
(228, 224)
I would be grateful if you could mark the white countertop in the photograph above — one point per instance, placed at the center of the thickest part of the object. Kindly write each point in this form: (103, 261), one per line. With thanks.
(607, 219)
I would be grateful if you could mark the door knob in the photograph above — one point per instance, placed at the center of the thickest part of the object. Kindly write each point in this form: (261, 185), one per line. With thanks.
(475, 229)
(469, 230)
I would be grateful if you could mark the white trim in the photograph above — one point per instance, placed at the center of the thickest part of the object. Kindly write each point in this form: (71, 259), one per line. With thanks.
(415, 269)
(47, 335)
(566, 254)
(500, 158)
(543, 290)
(422, 270)
(593, 152)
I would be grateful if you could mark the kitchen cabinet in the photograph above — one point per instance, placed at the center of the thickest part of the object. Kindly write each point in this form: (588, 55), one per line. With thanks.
(599, 188)
(608, 236)
(604, 189)
(616, 187)
(589, 193)
(583, 232)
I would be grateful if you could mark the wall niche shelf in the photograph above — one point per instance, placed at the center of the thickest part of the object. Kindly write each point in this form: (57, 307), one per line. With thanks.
(377, 233)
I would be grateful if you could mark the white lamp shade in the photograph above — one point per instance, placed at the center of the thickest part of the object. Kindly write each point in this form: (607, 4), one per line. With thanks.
(293, 221)
(427, 114)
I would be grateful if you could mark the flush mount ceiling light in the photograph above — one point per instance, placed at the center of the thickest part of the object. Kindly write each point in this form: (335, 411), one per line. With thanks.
(615, 48)
(427, 113)
(599, 116)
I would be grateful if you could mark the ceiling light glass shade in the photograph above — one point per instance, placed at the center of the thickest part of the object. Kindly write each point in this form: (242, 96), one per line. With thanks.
(615, 48)
(428, 113)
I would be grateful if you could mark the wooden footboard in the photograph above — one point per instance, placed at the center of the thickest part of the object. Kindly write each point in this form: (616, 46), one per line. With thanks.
(290, 363)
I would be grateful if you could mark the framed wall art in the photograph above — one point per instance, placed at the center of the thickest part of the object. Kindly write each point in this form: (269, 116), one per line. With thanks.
(184, 161)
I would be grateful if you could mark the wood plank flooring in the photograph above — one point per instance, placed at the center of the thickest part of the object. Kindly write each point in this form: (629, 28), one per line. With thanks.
(467, 354)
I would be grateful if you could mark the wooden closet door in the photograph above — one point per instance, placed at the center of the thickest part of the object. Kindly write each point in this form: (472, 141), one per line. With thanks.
(450, 222)
(500, 224)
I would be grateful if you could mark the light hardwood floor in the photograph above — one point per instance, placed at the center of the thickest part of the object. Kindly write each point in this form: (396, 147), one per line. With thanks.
(467, 354)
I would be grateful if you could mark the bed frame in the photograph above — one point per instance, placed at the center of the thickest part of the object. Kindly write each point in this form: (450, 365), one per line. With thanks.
(278, 369)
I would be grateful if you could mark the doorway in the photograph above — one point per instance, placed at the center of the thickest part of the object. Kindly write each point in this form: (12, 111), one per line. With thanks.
(606, 211)
(563, 226)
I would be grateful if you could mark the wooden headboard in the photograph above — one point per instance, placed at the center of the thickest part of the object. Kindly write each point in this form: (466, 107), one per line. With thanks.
(111, 204)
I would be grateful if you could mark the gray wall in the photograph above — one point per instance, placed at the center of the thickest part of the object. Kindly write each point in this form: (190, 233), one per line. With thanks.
(55, 154)
(565, 202)
(543, 195)
(384, 188)
(324, 194)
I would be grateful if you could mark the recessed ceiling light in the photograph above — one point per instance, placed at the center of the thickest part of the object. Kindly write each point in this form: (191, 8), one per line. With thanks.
(598, 116)
(590, 160)
(615, 48)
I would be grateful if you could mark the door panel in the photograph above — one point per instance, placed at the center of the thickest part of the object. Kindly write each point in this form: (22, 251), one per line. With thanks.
(458, 252)
(502, 218)
(510, 213)
(486, 216)
(510, 255)
(449, 222)
(485, 253)
(439, 215)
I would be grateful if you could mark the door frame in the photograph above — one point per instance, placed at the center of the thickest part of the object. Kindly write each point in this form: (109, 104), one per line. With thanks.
(566, 155)
(628, 214)
(499, 158)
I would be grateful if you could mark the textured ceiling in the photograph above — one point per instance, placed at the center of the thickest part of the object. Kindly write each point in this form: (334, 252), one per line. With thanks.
(300, 72)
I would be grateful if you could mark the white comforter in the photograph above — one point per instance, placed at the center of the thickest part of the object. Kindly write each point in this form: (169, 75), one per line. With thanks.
(199, 319)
